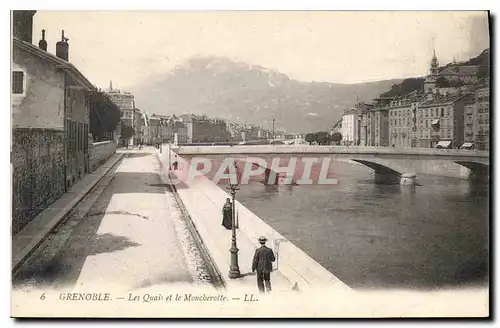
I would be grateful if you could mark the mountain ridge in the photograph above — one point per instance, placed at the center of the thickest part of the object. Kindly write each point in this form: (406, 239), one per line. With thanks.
(252, 94)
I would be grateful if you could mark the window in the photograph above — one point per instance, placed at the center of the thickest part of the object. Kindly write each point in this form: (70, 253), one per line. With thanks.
(17, 82)
(425, 112)
(442, 112)
(448, 111)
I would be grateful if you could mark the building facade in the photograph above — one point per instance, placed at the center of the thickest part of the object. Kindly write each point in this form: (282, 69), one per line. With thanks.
(380, 121)
(366, 118)
(202, 129)
(402, 120)
(441, 118)
(470, 128)
(131, 116)
(351, 128)
(50, 123)
(482, 118)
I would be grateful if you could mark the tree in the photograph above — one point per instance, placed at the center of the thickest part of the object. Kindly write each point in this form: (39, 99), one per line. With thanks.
(104, 115)
(310, 137)
(405, 87)
(127, 131)
(483, 72)
(336, 137)
(322, 137)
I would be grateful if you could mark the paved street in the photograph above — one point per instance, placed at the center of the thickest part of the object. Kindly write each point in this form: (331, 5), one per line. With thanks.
(128, 232)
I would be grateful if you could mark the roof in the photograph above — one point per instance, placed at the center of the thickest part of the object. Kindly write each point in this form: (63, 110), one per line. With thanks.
(338, 124)
(441, 100)
(383, 98)
(466, 70)
(158, 116)
(60, 63)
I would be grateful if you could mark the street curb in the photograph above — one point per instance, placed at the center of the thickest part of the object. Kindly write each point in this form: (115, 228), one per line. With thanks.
(27, 250)
(213, 270)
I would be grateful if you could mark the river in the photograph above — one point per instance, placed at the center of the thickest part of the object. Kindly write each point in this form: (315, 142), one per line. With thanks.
(370, 236)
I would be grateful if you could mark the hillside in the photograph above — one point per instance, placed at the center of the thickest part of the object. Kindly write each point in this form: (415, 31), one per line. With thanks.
(412, 84)
(219, 87)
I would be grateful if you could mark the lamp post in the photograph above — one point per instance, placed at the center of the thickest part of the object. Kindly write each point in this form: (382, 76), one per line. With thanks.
(273, 130)
(234, 269)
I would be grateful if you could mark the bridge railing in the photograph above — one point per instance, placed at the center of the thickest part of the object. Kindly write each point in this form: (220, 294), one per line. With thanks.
(260, 149)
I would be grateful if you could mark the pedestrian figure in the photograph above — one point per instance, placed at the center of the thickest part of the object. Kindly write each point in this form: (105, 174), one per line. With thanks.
(263, 264)
(227, 214)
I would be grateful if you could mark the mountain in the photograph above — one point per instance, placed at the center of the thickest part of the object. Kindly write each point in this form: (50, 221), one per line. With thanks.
(220, 87)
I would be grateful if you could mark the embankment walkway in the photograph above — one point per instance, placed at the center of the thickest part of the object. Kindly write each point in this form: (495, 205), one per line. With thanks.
(294, 269)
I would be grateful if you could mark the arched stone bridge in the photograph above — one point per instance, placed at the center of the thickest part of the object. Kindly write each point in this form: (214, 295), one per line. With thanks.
(388, 164)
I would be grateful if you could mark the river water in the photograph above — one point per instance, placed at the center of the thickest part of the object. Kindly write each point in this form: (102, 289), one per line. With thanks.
(370, 236)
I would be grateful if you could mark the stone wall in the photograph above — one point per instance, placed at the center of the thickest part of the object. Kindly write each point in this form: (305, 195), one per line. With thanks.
(100, 152)
(37, 172)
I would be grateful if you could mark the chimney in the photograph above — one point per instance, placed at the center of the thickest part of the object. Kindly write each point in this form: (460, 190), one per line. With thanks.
(42, 43)
(62, 48)
(22, 24)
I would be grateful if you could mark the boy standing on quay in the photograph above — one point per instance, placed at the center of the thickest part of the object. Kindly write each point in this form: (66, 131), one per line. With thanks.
(263, 264)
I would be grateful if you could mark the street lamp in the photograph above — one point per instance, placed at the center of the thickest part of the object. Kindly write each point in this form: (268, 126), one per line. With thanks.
(273, 130)
(234, 269)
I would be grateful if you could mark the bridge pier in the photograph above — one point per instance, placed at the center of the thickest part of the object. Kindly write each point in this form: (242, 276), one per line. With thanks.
(386, 178)
(479, 176)
(405, 179)
(408, 179)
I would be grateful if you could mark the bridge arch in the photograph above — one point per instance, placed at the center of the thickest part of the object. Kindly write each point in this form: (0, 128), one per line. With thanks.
(383, 174)
(477, 170)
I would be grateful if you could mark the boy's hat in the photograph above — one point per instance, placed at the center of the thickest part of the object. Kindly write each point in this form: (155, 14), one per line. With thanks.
(262, 239)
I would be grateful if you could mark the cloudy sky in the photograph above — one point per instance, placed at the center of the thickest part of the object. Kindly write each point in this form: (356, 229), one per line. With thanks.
(346, 47)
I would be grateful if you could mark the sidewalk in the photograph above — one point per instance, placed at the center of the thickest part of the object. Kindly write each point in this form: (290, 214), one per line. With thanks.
(206, 215)
(24, 242)
(130, 237)
(133, 238)
(203, 200)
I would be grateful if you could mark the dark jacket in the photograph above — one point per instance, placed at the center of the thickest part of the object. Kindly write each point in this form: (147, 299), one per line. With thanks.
(262, 260)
